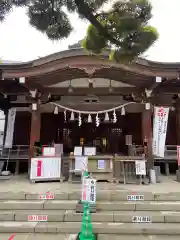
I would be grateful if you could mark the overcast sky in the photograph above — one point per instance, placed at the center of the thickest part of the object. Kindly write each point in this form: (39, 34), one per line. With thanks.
(20, 42)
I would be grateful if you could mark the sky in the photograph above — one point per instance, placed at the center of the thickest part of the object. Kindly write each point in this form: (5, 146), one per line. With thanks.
(21, 42)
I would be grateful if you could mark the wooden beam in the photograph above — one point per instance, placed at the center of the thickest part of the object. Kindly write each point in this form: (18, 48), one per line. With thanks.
(96, 91)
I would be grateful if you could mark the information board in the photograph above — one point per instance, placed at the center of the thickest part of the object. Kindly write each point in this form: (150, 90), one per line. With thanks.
(81, 163)
(140, 167)
(48, 151)
(101, 164)
(45, 168)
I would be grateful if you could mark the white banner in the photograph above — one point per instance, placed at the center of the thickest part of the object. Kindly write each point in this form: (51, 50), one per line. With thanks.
(10, 128)
(159, 130)
(88, 190)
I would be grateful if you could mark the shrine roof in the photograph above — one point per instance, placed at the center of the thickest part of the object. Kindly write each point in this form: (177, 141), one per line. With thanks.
(75, 63)
(79, 57)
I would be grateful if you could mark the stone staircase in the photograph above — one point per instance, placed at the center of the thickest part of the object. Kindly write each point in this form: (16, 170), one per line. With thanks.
(114, 219)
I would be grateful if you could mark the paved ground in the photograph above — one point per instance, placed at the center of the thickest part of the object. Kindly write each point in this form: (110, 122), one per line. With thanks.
(21, 183)
(22, 236)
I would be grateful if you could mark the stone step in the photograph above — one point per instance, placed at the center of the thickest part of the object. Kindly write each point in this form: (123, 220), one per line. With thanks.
(106, 195)
(99, 228)
(71, 216)
(56, 236)
(41, 236)
(100, 206)
(131, 237)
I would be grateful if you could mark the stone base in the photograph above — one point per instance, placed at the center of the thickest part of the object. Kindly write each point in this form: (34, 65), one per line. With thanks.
(178, 175)
(5, 177)
(79, 208)
(95, 236)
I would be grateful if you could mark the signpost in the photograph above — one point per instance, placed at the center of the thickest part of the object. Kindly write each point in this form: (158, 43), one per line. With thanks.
(88, 197)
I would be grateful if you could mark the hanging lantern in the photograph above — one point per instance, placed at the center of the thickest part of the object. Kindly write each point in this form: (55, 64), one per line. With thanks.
(106, 119)
(123, 112)
(79, 120)
(72, 116)
(34, 106)
(114, 117)
(147, 106)
(56, 110)
(89, 118)
(97, 121)
(65, 117)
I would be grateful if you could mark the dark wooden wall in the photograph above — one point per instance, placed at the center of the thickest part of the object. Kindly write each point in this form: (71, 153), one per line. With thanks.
(22, 128)
(171, 138)
(53, 127)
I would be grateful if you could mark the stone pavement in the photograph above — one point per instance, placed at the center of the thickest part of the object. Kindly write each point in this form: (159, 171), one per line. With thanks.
(22, 184)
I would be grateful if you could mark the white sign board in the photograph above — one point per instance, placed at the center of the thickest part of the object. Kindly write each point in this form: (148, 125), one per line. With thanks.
(81, 163)
(135, 197)
(48, 151)
(141, 219)
(37, 218)
(159, 130)
(140, 167)
(58, 149)
(78, 151)
(90, 151)
(89, 190)
(45, 168)
(101, 164)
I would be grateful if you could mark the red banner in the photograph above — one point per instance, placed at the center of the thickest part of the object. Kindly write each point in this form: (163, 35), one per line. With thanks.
(178, 155)
(39, 168)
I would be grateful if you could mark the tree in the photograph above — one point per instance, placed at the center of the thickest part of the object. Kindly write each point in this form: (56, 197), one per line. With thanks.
(123, 30)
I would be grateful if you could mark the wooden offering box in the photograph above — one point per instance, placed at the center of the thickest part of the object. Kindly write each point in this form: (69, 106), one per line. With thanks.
(100, 166)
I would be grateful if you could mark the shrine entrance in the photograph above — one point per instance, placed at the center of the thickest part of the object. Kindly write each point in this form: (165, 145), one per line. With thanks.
(107, 138)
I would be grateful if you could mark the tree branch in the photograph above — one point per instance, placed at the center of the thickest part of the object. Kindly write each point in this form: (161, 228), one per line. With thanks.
(86, 11)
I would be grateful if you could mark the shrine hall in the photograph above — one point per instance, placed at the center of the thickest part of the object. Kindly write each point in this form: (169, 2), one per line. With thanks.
(74, 98)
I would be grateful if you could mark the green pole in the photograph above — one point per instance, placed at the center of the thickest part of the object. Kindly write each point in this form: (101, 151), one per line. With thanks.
(86, 227)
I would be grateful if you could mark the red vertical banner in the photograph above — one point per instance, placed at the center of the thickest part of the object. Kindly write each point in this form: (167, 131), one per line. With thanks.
(39, 168)
(178, 155)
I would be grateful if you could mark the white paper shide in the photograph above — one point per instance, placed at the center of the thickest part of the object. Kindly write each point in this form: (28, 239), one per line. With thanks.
(159, 130)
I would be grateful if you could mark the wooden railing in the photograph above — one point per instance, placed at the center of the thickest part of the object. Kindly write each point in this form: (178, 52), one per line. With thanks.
(16, 152)
(171, 152)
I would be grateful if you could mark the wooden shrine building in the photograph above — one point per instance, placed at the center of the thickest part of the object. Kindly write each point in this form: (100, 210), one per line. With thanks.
(89, 83)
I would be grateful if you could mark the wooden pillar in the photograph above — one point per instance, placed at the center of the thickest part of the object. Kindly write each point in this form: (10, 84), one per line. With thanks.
(178, 125)
(35, 129)
(147, 136)
(6, 111)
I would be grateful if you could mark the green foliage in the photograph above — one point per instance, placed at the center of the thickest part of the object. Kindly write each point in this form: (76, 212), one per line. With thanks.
(123, 30)
(48, 17)
(127, 24)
